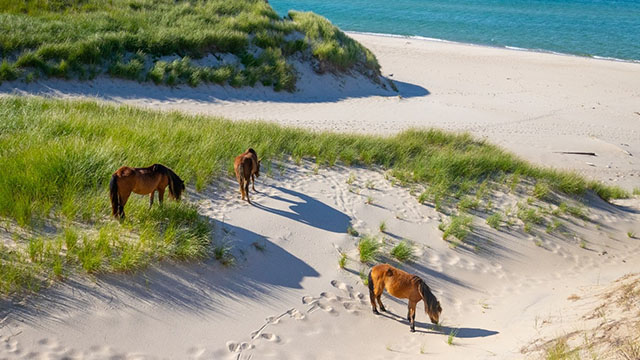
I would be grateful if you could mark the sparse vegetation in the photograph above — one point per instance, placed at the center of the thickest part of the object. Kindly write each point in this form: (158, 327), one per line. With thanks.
(351, 231)
(239, 43)
(494, 220)
(369, 248)
(342, 261)
(631, 234)
(559, 350)
(222, 252)
(467, 203)
(459, 227)
(369, 200)
(636, 191)
(452, 335)
(403, 251)
(383, 226)
(541, 190)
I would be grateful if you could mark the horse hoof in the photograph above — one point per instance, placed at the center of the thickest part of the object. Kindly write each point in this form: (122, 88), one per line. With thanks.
(376, 312)
(412, 330)
(382, 308)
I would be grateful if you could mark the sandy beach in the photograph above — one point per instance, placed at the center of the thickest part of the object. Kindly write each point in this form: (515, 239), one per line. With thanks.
(504, 293)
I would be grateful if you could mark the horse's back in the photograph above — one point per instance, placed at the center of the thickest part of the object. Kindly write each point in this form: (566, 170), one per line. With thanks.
(247, 161)
(124, 171)
(397, 282)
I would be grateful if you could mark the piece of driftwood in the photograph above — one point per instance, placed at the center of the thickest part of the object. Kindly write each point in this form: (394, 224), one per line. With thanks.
(588, 153)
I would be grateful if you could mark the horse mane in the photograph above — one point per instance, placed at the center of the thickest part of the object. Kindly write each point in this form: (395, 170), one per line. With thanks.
(430, 300)
(176, 185)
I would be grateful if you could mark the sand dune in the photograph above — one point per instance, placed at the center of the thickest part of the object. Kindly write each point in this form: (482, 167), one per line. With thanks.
(503, 292)
(286, 298)
(536, 105)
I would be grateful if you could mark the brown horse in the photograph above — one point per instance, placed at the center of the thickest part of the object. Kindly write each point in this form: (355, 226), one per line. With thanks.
(142, 181)
(405, 286)
(247, 168)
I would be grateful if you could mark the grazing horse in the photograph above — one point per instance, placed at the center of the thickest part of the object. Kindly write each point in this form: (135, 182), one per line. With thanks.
(142, 181)
(405, 286)
(247, 168)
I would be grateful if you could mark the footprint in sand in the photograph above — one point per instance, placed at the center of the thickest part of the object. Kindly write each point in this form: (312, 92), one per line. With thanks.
(270, 337)
(238, 347)
(342, 286)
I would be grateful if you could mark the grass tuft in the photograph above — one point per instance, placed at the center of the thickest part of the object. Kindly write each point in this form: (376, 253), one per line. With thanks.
(494, 220)
(403, 251)
(342, 261)
(369, 249)
(459, 227)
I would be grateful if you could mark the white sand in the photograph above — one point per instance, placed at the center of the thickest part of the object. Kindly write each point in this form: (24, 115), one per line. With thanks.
(290, 300)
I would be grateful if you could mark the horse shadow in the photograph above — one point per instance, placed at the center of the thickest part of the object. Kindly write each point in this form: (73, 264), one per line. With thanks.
(428, 328)
(307, 210)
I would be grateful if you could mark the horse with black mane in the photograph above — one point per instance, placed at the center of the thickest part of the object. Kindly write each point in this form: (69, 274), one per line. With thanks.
(142, 181)
(405, 286)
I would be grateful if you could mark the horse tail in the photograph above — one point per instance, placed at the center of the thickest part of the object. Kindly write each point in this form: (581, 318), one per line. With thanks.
(113, 194)
(370, 286)
(176, 185)
(430, 301)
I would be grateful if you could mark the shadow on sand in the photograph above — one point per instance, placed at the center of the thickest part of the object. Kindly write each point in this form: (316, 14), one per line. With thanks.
(310, 211)
(193, 288)
(428, 328)
(117, 90)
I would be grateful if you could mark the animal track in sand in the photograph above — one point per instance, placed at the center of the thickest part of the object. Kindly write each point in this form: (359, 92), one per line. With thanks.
(351, 302)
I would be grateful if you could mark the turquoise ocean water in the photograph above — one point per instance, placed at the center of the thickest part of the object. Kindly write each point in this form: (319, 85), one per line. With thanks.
(600, 28)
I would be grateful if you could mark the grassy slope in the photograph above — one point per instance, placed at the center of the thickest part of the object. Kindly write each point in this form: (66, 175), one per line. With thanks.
(57, 158)
(126, 38)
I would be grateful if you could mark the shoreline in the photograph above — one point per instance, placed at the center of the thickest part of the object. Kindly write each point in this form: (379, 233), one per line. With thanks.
(503, 47)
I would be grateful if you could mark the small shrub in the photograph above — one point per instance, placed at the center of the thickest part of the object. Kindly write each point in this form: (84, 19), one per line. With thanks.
(382, 227)
(403, 251)
(351, 231)
(369, 200)
(631, 234)
(369, 249)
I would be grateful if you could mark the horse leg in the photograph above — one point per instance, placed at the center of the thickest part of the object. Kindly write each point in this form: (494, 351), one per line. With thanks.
(160, 196)
(246, 189)
(241, 187)
(253, 182)
(372, 297)
(412, 315)
(151, 198)
(379, 291)
(123, 201)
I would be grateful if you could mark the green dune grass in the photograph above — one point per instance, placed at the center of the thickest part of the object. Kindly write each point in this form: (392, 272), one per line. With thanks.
(57, 158)
(128, 38)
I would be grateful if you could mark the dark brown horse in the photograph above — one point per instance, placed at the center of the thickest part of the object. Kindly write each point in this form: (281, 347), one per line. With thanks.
(247, 168)
(405, 286)
(142, 181)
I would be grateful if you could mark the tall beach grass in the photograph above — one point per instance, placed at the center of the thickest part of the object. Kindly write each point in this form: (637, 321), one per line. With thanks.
(57, 158)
